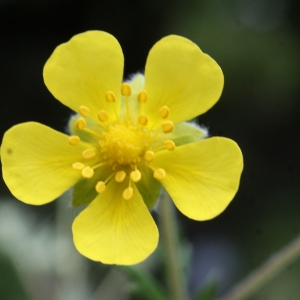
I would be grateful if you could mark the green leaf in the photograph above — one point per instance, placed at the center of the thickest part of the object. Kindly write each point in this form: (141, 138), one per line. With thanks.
(145, 285)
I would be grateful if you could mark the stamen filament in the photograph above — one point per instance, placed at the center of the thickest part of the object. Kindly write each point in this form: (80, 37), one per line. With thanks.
(126, 92)
(99, 165)
(92, 132)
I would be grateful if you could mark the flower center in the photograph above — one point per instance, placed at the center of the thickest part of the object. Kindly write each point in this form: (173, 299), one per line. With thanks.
(125, 144)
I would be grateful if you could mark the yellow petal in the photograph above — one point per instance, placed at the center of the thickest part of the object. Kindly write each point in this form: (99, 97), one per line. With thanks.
(113, 230)
(37, 162)
(202, 177)
(82, 70)
(179, 75)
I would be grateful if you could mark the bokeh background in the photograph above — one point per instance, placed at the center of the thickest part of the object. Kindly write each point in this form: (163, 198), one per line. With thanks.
(257, 45)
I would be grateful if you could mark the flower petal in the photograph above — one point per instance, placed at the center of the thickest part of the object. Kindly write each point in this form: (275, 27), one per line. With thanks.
(179, 75)
(37, 162)
(115, 231)
(82, 70)
(202, 177)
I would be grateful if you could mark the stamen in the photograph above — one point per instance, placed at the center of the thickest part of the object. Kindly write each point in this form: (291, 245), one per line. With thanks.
(143, 120)
(125, 89)
(84, 111)
(89, 153)
(100, 187)
(167, 126)
(120, 176)
(92, 132)
(149, 156)
(159, 174)
(78, 166)
(135, 175)
(128, 193)
(74, 140)
(142, 96)
(80, 123)
(110, 97)
(99, 165)
(170, 145)
(87, 172)
(164, 112)
(103, 116)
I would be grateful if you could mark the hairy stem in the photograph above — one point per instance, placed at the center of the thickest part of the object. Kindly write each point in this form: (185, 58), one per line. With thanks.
(169, 232)
(265, 272)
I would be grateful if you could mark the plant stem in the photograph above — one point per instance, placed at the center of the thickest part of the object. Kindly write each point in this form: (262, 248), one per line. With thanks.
(169, 232)
(265, 272)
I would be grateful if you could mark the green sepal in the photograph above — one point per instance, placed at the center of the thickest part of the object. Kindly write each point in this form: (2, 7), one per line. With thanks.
(145, 285)
(183, 133)
(148, 187)
(137, 83)
(83, 135)
(84, 190)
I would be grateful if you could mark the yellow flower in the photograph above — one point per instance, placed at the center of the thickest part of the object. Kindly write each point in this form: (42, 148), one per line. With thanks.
(127, 140)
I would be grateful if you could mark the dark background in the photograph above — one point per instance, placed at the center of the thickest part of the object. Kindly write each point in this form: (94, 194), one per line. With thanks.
(257, 45)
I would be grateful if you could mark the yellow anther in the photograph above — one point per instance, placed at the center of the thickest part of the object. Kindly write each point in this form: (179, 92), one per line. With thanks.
(125, 89)
(78, 166)
(103, 116)
(110, 97)
(84, 111)
(74, 140)
(87, 172)
(169, 145)
(100, 187)
(120, 176)
(164, 112)
(143, 120)
(142, 96)
(167, 126)
(128, 193)
(149, 156)
(89, 153)
(80, 123)
(159, 174)
(135, 175)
